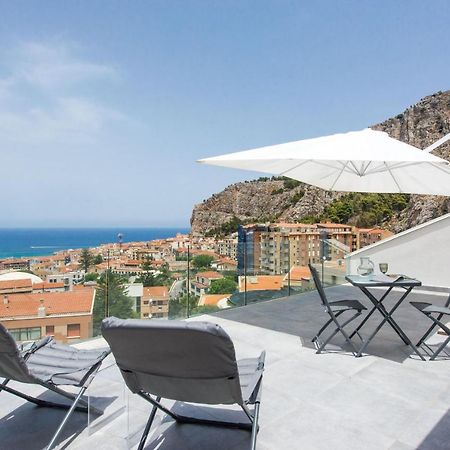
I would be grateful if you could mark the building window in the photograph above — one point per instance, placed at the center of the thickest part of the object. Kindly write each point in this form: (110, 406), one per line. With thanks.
(26, 334)
(145, 302)
(73, 330)
(145, 314)
(50, 330)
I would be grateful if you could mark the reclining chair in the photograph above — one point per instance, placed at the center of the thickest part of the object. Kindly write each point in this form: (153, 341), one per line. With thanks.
(334, 309)
(188, 362)
(50, 365)
(429, 309)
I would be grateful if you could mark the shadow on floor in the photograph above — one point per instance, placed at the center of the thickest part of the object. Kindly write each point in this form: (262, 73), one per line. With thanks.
(27, 420)
(438, 438)
(303, 315)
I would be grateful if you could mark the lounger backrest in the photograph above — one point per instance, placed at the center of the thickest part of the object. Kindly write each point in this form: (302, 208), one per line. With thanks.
(12, 364)
(185, 361)
(319, 286)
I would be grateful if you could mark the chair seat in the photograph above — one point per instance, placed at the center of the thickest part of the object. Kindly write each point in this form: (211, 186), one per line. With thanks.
(429, 308)
(344, 305)
(63, 364)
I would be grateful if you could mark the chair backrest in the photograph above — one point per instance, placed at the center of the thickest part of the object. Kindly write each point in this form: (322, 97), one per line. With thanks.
(319, 286)
(12, 364)
(185, 361)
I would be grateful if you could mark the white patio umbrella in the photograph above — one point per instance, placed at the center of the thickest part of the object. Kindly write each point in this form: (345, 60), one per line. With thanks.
(359, 161)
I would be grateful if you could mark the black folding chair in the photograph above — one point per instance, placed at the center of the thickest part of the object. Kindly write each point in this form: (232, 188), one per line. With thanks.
(185, 361)
(50, 365)
(429, 309)
(335, 309)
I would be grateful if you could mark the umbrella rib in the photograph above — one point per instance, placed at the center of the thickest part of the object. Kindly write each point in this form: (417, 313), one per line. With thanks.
(441, 167)
(382, 168)
(392, 175)
(295, 167)
(365, 168)
(339, 176)
(356, 169)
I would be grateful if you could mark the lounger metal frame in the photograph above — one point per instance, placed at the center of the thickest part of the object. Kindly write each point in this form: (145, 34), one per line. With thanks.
(252, 425)
(75, 398)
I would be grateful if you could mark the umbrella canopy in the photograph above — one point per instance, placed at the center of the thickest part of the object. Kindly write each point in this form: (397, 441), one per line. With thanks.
(359, 161)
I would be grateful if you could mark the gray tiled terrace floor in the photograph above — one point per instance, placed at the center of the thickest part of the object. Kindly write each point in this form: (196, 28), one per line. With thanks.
(384, 400)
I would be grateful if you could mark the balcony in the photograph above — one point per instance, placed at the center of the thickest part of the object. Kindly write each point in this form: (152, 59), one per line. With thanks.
(387, 399)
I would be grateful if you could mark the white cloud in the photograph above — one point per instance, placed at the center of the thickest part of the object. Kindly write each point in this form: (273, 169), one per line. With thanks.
(43, 95)
(57, 65)
(70, 118)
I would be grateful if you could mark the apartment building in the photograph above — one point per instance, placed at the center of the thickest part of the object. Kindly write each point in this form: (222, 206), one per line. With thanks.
(202, 282)
(68, 278)
(14, 264)
(368, 236)
(227, 247)
(275, 248)
(155, 302)
(65, 315)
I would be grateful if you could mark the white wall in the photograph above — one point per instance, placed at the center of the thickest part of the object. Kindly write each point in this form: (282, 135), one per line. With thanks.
(422, 252)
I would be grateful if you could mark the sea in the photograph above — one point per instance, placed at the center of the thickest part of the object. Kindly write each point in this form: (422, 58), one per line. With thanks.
(22, 242)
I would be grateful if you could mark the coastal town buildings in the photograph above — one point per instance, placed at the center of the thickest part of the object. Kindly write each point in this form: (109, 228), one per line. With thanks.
(55, 299)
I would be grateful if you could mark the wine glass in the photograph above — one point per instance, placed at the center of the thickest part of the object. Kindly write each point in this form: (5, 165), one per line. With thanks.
(383, 267)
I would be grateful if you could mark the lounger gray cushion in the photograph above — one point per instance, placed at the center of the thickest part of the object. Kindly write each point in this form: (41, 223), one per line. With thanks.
(186, 361)
(63, 364)
(49, 362)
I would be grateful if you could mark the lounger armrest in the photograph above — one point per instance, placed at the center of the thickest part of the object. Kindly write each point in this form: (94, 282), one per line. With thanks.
(252, 392)
(31, 347)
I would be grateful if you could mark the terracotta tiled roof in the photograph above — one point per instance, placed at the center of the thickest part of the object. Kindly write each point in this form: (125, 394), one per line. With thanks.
(298, 273)
(13, 261)
(47, 285)
(15, 284)
(209, 274)
(55, 303)
(333, 225)
(211, 299)
(261, 283)
(156, 291)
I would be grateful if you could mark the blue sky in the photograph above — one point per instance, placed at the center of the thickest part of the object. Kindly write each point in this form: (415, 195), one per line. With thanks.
(105, 106)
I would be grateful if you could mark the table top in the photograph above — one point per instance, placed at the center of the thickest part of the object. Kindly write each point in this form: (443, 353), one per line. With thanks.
(382, 280)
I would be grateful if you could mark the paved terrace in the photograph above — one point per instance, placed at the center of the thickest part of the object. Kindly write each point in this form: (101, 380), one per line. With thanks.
(384, 400)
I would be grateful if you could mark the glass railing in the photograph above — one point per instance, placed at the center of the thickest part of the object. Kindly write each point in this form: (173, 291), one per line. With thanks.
(182, 282)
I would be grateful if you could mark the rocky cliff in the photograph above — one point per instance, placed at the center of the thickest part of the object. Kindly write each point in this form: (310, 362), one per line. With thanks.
(269, 199)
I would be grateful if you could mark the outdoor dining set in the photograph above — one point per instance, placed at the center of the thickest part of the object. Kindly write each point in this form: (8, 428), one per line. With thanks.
(337, 308)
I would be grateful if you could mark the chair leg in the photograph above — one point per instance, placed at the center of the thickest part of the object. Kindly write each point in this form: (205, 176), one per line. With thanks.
(148, 425)
(325, 327)
(255, 426)
(341, 329)
(72, 397)
(66, 418)
(439, 350)
(38, 401)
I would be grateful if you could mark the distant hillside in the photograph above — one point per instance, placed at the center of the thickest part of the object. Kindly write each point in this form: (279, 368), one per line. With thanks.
(270, 199)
